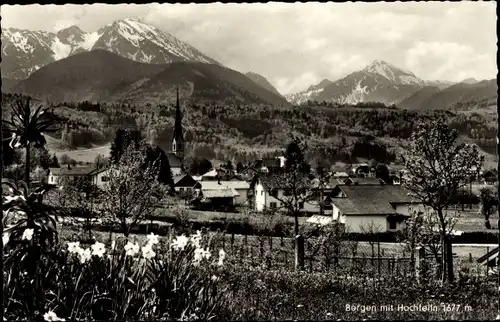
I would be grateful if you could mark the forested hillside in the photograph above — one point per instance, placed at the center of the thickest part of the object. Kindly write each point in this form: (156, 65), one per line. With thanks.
(245, 132)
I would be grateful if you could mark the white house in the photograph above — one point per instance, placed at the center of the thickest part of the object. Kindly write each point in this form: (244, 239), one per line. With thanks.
(184, 183)
(380, 207)
(266, 195)
(239, 186)
(55, 174)
(101, 176)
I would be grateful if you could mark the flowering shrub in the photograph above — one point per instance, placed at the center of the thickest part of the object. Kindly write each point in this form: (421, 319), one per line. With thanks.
(151, 281)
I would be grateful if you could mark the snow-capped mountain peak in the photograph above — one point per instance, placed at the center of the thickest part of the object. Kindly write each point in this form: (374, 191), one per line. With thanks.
(24, 51)
(393, 74)
(379, 81)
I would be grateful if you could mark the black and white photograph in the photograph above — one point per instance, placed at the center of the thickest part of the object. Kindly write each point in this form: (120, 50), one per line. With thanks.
(275, 161)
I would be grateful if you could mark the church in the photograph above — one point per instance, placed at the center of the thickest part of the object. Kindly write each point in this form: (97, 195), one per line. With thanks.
(176, 156)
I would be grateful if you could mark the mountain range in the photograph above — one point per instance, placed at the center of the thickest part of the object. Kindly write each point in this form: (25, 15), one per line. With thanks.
(25, 51)
(100, 75)
(383, 82)
(129, 60)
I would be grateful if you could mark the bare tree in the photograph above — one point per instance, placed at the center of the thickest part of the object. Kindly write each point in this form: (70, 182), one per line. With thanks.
(296, 181)
(132, 191)
(74, 199)
(438, 166)
(422, 229)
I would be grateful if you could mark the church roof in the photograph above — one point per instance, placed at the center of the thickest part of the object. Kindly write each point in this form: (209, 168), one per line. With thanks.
(174, 161)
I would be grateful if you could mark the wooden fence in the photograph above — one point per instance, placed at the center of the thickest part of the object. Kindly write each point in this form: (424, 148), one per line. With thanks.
(278, 252)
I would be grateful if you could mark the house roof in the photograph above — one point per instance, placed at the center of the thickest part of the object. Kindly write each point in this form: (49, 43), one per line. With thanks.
(221, 193)
(75, 171)
(184, 181)
(97, 171)
(233, 184)
(372, 199)
(173, 160)
(488, 256)
(211, 173)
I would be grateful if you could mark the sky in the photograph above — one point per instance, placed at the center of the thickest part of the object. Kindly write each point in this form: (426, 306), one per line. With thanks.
(296, 45)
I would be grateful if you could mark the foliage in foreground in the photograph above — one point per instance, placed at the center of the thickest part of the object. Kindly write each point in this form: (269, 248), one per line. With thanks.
(158, 281)
(287, 295)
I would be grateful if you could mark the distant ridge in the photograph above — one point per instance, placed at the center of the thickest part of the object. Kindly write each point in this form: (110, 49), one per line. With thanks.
(100, 75)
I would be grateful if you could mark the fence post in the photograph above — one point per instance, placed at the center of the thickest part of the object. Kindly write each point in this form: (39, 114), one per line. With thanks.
(286, 258)
(299, 252)
(419, 264)
(378, 259)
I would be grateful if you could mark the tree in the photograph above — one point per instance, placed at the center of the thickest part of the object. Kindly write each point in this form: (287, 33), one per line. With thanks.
(438, 166)
(123, 138)
(489, 204)
(54, 162)
(65, 159)
(132, 192)
(75, 200)
(296, 182)
(27, 126)
(239, 167)
(156, 156)
(199, 166)
(101, 161)
(382, 172)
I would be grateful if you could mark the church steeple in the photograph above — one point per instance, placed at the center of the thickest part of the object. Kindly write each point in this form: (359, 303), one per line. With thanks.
(178, 139)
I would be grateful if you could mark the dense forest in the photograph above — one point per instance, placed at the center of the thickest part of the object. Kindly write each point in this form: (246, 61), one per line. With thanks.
(242, 133)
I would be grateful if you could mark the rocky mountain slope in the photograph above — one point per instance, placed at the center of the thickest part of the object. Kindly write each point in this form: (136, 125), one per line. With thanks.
(262, 81)
(459, 96)
(25, 51)
(99, 75)
(379, 81)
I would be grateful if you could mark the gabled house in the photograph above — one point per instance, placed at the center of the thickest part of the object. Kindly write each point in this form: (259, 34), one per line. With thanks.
(266, 194)
(240, 188)
(75, 173)
(100, 176)
(383, 207)
(217, 199)
(184, 183)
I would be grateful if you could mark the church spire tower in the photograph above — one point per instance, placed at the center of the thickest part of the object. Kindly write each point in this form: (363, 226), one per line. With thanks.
(178, 139)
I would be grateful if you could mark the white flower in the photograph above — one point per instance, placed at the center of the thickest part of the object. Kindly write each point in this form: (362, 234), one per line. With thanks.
(98, 249)
(152, 239)
(222, 256)
(196, 239)
(85, 255)
(74, 248)
(131, 249)
(180, 242)
(214, 278)
(28, 234)
(5, 238)
(147, 252)
(51, 316)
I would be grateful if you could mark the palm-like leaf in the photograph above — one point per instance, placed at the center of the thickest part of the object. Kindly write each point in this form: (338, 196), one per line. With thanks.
(22, 209)
(27, 124)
